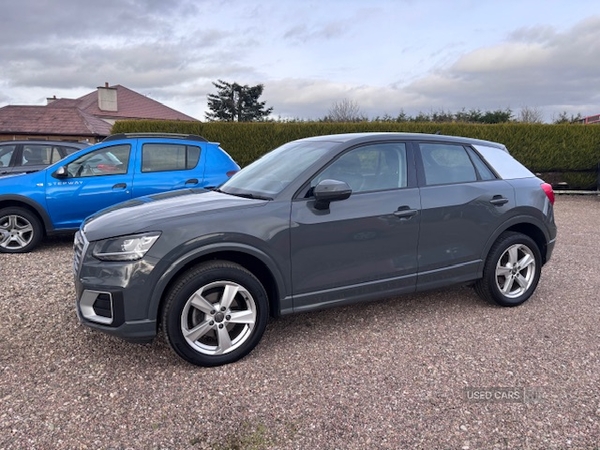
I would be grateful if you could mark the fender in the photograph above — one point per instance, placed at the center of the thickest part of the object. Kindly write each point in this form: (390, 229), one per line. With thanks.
(515, 220)
(18, 200)
(175, 267)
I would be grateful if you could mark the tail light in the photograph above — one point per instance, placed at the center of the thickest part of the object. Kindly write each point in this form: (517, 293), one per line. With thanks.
(231, 173)
(549, 192)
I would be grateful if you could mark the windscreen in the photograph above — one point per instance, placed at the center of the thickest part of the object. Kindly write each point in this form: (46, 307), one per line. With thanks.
(269, 175)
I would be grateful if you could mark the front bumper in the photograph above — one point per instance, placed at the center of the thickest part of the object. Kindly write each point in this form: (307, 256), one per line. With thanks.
(104, 311)
(113, 297)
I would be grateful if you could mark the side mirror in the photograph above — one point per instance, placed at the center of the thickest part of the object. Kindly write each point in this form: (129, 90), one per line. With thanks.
(61, 172)
(328, 191)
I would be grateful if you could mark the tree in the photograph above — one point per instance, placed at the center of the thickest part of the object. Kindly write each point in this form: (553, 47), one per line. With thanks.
(471, 116)
(497, 116)
(421, 117)
(563, 117)
(442, 116)
(345, 111)
(531, 115)
(236, 103)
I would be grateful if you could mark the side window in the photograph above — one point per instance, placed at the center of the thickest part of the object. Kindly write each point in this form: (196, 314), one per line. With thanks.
(373, 167)
(6, 152)
(446, 163)
(35, 155)
(55, 155)
(166, 157)
(105, 161)
(484, 171)
(507, 167)
(59, 153)
(70, 150)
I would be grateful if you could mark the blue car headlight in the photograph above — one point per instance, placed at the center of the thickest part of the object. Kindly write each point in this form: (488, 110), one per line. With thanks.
(124, 248)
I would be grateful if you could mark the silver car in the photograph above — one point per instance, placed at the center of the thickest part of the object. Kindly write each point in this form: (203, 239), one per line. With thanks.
(318, 222)
(31, 156)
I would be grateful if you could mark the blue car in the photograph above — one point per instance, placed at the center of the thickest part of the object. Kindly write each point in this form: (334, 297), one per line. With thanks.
(122, 167)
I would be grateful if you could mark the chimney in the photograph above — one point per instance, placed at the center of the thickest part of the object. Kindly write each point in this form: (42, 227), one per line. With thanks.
(50, 99)
(107, 98)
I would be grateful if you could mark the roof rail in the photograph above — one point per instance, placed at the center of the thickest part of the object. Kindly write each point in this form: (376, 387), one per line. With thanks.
(189, 137)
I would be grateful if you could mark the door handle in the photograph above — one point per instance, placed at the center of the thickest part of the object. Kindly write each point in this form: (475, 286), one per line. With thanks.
(498, 200)
(404, 212)
(192, 181)
(120, 186)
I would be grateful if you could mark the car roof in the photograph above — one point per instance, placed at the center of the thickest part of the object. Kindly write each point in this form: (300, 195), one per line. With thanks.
(151, 135)
(43, 141)
(350, 138)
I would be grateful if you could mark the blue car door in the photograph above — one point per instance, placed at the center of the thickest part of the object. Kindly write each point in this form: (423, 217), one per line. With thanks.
(168, 166)
(93, 181)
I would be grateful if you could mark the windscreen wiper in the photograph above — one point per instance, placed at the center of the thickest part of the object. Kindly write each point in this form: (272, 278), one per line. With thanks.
(250, 195)
(244, 195)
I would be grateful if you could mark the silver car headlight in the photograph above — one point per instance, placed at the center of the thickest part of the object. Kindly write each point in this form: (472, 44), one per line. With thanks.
(124, 248)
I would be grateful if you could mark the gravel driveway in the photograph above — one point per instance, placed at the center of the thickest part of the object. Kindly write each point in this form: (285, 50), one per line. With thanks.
(423, 371)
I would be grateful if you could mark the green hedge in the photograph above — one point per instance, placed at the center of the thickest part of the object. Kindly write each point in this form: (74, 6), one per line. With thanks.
(567, 150)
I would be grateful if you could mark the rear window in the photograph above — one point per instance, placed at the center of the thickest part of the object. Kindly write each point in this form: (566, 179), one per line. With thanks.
(167, 157)
(503, 163)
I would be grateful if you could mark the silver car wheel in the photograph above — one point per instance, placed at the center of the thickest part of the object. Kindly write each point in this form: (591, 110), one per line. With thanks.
(218, 318)
(515, 271)
(16, 232)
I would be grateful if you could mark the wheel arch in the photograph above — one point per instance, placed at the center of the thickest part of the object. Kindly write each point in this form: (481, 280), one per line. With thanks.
(526, 225)
(17, 201)
(534, 233)
(253, 260)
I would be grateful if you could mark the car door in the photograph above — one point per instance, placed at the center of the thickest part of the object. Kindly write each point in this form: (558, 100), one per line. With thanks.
(365, 245)
(462, 204)
(168, 166)
(93, 181)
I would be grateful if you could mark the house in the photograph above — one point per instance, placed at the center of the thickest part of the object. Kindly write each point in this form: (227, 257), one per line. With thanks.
(590, 119)
(88, 118)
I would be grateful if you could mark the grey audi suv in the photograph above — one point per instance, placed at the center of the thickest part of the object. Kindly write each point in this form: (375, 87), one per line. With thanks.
(317, 222)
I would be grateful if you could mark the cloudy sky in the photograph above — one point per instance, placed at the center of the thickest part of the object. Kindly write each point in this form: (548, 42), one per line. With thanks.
(386, 55)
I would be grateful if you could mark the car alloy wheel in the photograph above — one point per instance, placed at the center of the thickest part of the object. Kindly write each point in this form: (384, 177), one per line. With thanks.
(20, 230)
(515, 270)
(215, 313)
(512, 270)
(218, 318)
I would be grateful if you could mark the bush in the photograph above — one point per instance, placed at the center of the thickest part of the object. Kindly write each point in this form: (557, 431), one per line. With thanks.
(542, 148)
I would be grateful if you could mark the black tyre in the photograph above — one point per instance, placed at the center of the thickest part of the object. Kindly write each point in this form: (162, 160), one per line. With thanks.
(20, 230)
(512, 270)
(215, 314)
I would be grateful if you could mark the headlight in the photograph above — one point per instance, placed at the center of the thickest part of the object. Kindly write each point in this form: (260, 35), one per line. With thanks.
(125, 248)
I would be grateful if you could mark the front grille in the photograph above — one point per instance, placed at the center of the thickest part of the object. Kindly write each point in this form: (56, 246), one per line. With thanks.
(79, 246)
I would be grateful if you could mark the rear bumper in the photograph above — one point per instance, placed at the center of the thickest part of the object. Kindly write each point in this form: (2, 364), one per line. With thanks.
(549, 250)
